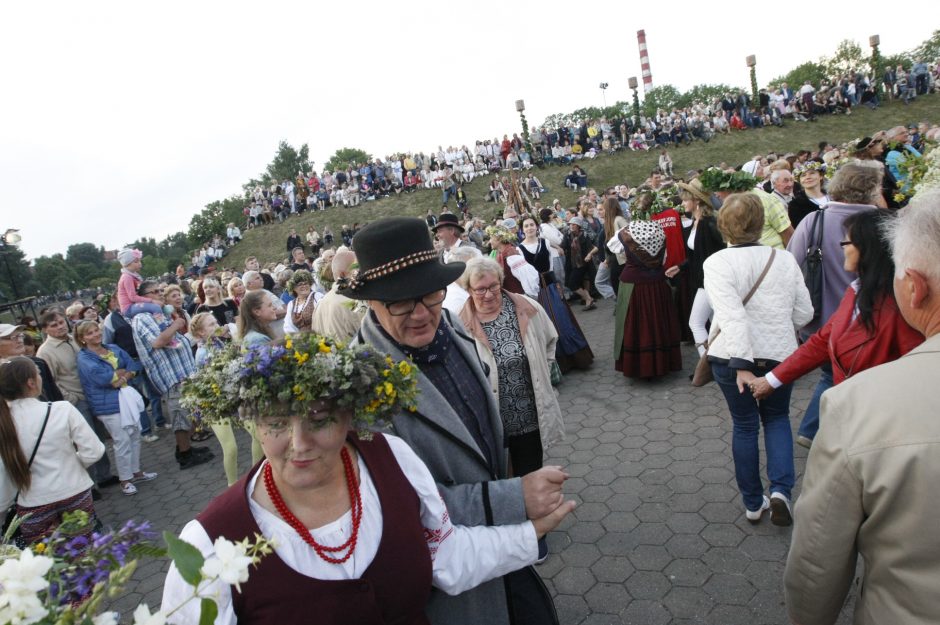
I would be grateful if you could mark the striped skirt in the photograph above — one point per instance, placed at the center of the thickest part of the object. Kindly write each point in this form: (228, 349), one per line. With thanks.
(43, 520)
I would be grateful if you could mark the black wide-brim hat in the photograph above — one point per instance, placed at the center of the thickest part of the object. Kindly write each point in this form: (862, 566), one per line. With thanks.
(397, 261)
(447, 219)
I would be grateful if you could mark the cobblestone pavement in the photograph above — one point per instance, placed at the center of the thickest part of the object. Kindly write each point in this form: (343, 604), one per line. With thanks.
(659, 535)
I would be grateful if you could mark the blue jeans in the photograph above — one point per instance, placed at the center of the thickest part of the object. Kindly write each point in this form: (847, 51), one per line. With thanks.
(156, 408)
(810, 423)
(747, 415)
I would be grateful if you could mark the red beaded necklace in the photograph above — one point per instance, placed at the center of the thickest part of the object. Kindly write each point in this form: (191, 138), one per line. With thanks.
(355, 503)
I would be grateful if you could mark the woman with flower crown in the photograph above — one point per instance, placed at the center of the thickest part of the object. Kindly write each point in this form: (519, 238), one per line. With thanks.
(360, 530)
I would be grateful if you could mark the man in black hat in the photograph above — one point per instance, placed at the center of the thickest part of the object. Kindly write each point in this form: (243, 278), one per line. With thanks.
(449, 232)
(456, 429)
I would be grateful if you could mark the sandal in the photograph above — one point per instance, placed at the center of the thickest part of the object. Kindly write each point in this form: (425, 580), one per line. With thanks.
(590, 306)
(128, 489)
(198, 437)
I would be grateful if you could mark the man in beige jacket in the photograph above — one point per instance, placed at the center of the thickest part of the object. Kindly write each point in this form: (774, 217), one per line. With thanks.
(60, 352)
(336, 315)
(874, 467)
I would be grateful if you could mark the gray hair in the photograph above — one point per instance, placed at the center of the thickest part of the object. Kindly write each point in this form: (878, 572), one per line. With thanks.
(342, 261)
(480, 266)
(915, 236)
(858, 182)
(463, 254)
(777, 174)
(250, 275)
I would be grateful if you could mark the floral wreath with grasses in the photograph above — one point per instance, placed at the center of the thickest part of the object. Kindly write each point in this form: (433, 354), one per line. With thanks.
(289, 377)
(799, 170)
(714, 179)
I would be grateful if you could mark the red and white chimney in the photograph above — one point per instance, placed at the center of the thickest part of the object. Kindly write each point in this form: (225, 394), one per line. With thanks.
(644, 61)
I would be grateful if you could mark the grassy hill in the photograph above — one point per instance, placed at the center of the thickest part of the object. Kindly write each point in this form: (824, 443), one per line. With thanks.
(267, 242)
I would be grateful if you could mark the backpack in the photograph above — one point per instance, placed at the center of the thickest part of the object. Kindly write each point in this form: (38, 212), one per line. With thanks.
(812, 265)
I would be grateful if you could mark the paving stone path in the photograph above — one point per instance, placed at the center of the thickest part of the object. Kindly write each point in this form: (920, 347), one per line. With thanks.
(659, 534)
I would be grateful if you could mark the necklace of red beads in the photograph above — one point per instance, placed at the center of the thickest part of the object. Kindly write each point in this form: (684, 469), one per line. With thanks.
(355, 502)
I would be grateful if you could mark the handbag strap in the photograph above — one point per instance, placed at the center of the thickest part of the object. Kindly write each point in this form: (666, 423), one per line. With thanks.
(36, 446)
(750, 294)
(760, 278)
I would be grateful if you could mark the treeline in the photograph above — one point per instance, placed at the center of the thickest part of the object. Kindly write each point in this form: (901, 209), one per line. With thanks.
(848, 56)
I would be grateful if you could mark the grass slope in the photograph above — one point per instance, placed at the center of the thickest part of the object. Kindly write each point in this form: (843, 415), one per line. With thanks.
(268, 242)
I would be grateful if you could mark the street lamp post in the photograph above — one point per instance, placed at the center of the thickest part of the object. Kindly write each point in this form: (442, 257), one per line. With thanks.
(604, 86)
(10, 239)
(636, 100)
(752, 63)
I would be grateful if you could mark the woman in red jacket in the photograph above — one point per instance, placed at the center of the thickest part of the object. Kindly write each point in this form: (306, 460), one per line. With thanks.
(867, 329)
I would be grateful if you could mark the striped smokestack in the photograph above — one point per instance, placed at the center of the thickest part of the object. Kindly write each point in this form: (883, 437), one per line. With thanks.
(644, 61)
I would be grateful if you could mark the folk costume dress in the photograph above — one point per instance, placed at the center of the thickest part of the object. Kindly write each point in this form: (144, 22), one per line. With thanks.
(572, 349)
(406, 544)
(647, 337)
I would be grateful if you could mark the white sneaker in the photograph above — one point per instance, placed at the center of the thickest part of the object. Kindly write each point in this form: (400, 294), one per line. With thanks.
(144, 477)
(149, 438)
(780, 513)
(754, 516)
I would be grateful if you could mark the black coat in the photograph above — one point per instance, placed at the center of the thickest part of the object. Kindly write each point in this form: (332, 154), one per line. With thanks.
(707, 241)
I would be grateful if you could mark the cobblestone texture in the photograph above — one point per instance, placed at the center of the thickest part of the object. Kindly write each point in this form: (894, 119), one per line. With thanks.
(659, 535)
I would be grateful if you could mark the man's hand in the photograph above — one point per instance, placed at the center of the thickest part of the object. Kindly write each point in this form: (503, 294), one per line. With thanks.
(542, 491)
(178, 324)
(761, 388)
(672, 271)
(550, 521)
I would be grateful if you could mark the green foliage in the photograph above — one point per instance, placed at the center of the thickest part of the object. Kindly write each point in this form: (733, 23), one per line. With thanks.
(812, 71)
(929, 50)
(54, 274)
(288, 161)
(16, 280)
(665, 97)
(903, 59)
(847, 58)
(704, 94)
(208, 611)
(344, 156)
(214, 219)
(187, 558)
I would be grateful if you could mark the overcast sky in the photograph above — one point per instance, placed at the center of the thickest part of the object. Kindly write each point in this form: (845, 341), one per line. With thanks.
(123, 119)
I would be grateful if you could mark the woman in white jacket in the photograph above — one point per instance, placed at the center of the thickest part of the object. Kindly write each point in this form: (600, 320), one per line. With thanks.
(54, 481)
(748, 340)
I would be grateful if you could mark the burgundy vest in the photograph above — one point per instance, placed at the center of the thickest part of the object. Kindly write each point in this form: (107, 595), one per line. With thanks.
(510, 282)
(395, 587)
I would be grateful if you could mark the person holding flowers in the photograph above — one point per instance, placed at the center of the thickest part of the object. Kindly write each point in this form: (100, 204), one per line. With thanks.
(360, 529)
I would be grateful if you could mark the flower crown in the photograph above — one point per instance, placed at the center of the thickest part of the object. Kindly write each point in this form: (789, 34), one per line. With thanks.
(809, 166)
(502, 234)
(289, 377)
(714, 179)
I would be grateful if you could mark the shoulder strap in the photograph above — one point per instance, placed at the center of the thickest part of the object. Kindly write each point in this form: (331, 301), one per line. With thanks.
(760, 278)
(38, 440)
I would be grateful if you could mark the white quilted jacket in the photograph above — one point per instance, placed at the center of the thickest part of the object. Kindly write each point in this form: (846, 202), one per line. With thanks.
(767, 327)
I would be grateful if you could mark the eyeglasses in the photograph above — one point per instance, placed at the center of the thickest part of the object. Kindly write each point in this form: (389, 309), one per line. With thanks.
(844, 243)
(407, 306)
(493, 289)
(13, 337)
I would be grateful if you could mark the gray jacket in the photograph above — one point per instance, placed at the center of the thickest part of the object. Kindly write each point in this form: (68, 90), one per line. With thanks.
(475, 493)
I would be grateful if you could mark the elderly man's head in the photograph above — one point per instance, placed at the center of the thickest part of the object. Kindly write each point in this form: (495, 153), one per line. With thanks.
(11, 341)
(857, 183)
(899, 134)
(252, 280)
(342, 263)
(915, 246)
(782, 180)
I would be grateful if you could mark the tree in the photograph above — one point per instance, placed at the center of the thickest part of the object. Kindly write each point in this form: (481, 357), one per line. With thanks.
(344, 156)
(706, 94)
(287, 162)
(87, 261)
(848, 58)
(54, 274)
(929, 49)
(16, 278)
(664, 97)
(903, 59)
(812, 71)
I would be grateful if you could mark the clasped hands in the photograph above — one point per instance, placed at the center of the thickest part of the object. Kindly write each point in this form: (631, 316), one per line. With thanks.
(759, 387)
(545, 504)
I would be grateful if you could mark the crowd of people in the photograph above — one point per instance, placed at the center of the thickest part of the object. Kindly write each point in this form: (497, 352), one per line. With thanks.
(454, 332)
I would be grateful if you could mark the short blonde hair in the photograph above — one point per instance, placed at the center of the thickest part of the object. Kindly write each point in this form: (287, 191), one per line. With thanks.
(481, 266)
(170, 288)
(741, 218)
(81, 329)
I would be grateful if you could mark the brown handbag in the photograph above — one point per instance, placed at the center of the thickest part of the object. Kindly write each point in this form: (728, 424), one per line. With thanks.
(703, 370)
